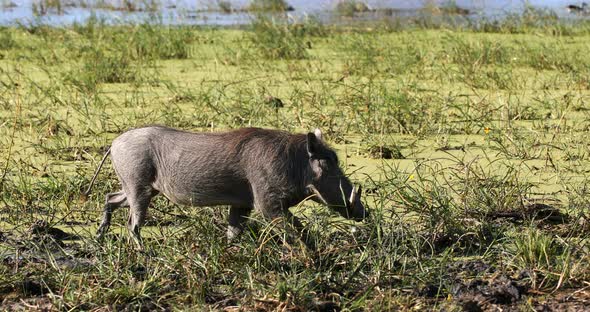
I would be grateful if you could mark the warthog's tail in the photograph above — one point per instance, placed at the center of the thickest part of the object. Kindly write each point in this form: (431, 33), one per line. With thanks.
(96, 172)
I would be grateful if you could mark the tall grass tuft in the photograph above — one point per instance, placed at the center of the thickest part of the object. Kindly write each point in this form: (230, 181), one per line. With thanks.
(276, 39)
(7, 40)
(158, 42)
(545, 258)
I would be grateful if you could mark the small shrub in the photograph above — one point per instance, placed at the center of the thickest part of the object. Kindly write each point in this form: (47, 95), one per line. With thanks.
(350, 7)
(225, 6)
(381, 151)
(451, 7)
(270, 6)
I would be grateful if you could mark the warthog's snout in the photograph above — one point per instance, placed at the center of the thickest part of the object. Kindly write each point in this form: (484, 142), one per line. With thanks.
(350, 207)
(355, 207)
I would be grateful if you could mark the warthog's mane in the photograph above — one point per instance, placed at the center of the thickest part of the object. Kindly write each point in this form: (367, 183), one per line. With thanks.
(280, 151)
(274, 142)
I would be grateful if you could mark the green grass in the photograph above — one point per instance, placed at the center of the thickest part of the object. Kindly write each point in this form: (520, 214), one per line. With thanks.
(480, 124)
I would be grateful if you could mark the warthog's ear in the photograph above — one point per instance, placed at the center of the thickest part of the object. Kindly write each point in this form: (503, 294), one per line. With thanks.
(313, 142)
(318, 133)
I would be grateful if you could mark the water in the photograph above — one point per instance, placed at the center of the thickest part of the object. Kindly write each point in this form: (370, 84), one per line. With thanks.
(205, 12)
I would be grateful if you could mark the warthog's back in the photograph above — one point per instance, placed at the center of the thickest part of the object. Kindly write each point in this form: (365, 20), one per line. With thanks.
(204, 168)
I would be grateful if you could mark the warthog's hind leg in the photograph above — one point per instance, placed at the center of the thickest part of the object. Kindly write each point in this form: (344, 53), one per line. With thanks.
(237, 220)
(112, 201)
(139, 200)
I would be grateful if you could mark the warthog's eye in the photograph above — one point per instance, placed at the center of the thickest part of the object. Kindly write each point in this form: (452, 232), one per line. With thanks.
(327, 161)
(333, 157)
(324, 163)
(325, 157)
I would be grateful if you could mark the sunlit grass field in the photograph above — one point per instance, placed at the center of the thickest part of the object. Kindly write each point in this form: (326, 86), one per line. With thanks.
(471, 144)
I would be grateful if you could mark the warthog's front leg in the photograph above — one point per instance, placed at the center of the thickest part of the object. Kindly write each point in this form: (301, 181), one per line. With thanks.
(237, 220)
(289, 218)
(112, 201)
(296, 223)
(272, 208)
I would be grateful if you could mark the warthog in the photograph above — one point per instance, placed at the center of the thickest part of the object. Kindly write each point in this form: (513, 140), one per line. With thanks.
(250, 168)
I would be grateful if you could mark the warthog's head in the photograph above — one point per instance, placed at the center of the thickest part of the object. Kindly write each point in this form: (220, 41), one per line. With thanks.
(328, 183)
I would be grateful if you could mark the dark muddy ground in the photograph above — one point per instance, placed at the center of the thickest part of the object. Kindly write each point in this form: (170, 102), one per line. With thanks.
(475, 285)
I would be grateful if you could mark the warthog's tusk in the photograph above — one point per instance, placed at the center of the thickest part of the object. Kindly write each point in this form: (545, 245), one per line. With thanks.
(352, 195)
(356, 192)
(317, 193)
